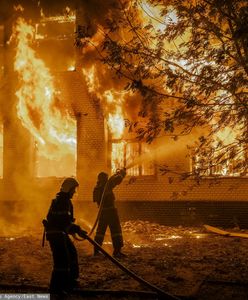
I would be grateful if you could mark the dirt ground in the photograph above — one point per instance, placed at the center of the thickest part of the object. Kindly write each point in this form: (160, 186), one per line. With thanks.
(187, 262)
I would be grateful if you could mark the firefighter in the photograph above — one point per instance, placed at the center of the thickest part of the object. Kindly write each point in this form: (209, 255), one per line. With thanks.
(58, 226)
(105, 198)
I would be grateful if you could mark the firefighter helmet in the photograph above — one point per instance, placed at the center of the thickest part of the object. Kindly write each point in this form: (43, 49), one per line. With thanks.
(102, 177)
(69, 184)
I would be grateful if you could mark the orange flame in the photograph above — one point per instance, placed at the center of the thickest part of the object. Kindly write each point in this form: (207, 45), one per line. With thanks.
(117, 159)
(115, 118)
(53, 129)
(112, 101)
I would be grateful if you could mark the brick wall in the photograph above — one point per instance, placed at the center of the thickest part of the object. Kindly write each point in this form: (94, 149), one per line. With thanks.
(227, 214)
(91, 148)
(227, 189)
(92, 158)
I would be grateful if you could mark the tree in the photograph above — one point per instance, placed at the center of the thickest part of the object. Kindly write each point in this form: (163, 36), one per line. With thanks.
(189, 62)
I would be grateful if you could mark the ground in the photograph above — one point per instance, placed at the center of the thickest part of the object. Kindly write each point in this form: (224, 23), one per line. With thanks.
(190, 263)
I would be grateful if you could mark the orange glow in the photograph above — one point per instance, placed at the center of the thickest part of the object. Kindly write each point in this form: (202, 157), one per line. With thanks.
(117, 157)
(71, 67)
(1, 151)
(112, 102)
(115, 117)
(152, 15)
(227, 136)
(222, 163)
(53, 128)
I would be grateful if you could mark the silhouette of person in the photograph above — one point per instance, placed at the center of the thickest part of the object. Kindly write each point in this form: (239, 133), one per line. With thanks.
(59, 225)
(104, 196)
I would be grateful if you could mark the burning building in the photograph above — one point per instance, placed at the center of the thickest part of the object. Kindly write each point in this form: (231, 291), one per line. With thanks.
(52, 126)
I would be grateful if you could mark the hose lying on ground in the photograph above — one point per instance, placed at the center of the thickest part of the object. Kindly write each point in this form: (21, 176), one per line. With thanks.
(161, 294)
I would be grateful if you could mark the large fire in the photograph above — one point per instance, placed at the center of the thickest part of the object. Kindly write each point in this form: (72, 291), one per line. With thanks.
(39, 108)
(123, 152)
(112, 103)
(228, 156)
(228, 136)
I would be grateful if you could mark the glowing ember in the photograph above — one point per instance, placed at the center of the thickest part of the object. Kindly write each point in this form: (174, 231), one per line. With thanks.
(53, 129)
(107, 243)
(173, 237)
(160, 238)
(71, 68)
(136, 246)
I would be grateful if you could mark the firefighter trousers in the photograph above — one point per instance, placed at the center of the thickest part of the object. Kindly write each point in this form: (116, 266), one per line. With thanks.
(65, 262)
(109, 218)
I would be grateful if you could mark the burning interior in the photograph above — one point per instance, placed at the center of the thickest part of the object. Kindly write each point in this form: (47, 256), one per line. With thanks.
(41, 110)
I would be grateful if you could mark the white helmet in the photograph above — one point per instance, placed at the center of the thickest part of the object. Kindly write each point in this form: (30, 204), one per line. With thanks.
(69, 184)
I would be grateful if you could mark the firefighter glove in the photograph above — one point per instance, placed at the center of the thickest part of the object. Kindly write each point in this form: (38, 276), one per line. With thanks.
(82, 233)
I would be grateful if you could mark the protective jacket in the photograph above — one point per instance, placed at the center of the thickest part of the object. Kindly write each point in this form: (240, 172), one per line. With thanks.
(107, 188)
(59, 224)
(109, 215)
(60, 215)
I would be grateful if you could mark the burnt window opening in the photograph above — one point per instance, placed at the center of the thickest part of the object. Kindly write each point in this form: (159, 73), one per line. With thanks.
(134, 156)
(221, 163)
(54, 37)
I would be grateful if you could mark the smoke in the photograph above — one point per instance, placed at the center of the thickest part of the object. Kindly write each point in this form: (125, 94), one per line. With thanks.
(24, 199)
(94, 13)
(166, 149)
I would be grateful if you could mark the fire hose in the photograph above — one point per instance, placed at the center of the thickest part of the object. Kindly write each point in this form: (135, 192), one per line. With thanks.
(161, 294)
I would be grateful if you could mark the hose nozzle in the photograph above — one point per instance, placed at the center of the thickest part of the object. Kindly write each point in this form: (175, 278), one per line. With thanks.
(121, 171)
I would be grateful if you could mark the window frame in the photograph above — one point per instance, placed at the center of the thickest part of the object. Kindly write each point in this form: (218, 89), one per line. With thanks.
(140, 168)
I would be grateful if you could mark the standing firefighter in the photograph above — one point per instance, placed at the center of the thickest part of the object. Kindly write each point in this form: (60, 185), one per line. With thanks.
(105, 198)
(58, 226)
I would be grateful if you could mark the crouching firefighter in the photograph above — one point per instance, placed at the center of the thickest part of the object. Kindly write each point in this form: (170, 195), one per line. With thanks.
(58, 226)
(104, 196)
